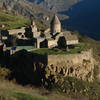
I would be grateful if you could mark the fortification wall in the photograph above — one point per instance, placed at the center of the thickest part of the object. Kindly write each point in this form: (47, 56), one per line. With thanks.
(80, 65)
(70, 58)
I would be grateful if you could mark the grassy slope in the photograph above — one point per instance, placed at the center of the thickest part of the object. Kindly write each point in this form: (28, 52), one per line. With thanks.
(13, 92)
(92, 44)
(12, 21)
(9, 91)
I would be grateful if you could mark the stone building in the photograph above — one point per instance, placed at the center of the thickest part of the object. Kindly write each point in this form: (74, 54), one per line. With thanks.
(35, 31)
(53, 36)
(71, 39)
(55, 25)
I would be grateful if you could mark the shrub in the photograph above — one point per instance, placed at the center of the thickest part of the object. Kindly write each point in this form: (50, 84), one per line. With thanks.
(71, 85)
(4, 73)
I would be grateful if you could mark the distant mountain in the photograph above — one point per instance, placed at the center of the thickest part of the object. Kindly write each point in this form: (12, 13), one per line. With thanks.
(85, 17)
(55, 5)
(25, 8)
(28, 9)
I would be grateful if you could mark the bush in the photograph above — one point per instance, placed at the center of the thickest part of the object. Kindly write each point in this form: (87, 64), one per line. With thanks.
(4, 73)
(71, 85)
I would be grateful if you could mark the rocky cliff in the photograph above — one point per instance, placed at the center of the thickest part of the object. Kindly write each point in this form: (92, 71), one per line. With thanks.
(74, 65)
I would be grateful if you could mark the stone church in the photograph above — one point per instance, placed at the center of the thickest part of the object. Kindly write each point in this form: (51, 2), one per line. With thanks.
(54, 36)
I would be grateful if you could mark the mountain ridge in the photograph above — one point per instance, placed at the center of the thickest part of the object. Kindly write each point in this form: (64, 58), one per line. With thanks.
(28, 9)
(85, 18)
(55, 5)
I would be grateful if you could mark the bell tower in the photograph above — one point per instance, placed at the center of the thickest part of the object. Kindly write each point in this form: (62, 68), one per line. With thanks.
(55, 25)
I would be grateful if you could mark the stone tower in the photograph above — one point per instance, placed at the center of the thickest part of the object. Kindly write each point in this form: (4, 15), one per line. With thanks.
(34, 28)
(55, 25)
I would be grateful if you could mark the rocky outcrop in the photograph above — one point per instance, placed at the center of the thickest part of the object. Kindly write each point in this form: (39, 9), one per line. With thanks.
(55, 5)
(25, 8)
(74, 65)
(28, 9)
(97, 69)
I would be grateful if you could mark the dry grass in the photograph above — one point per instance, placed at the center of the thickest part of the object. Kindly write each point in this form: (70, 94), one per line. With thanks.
(10, 91)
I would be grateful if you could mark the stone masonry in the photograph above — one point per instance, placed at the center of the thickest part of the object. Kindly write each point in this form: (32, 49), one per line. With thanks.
(75, 65)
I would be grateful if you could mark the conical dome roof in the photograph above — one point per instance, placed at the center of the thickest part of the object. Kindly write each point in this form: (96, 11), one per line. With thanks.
(55, 20)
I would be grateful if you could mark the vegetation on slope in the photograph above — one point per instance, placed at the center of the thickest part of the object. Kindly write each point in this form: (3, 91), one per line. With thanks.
(95, 45)
(12, 21)
(9, 91)
(68, 88)
(55, 5)
(72, 85)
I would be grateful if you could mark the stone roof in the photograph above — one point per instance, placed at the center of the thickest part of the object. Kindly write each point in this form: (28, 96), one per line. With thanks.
(68, 36)
(55, 20)
(16, 31)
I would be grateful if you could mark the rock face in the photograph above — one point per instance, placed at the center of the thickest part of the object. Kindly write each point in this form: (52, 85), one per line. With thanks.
(25, 8)
(27, 67)
(55, 5)
(28, 9)
(74, 65)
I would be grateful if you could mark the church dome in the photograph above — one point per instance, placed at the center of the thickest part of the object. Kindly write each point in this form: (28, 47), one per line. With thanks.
(55, 25)
(55, 20)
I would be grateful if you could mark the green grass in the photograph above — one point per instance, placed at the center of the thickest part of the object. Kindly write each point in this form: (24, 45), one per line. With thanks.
(72, 85)
(23, 47)
(12, 21)
(92, 44)
(78, 48)
(9, 91)
(21, 96)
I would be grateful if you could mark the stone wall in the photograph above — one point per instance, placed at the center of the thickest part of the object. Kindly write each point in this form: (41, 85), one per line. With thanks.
(70, 42)
(70, 58)
(16, 31)
(79, 65)
(52, 43)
